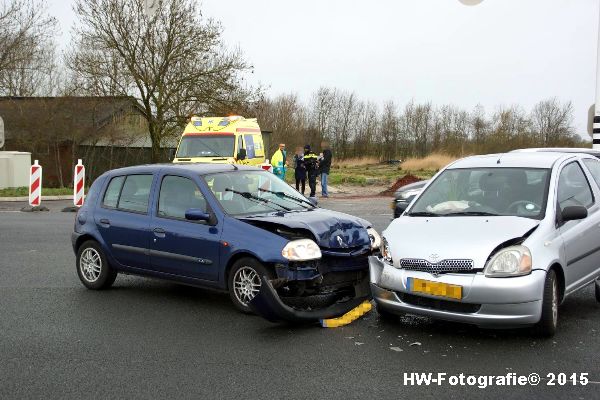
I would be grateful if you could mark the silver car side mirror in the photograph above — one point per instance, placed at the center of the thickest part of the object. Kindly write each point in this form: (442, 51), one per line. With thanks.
(573, 213)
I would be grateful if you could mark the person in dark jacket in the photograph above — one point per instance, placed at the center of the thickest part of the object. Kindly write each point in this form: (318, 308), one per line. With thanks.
(312, 169)
(325, 167)
(300, 170)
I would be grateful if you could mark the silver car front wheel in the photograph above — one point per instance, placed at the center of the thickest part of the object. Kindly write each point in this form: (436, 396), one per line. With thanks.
(550, 301)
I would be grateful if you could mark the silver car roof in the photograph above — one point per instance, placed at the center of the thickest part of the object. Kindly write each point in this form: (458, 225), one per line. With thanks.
(584, 150)
(513, 160)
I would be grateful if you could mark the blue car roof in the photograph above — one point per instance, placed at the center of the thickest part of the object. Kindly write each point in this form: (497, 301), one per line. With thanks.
(198, 168)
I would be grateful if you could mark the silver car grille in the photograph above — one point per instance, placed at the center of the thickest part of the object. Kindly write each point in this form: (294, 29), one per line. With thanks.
(443, 266)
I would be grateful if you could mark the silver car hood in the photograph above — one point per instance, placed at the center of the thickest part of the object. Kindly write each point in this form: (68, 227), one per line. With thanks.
(441, 238)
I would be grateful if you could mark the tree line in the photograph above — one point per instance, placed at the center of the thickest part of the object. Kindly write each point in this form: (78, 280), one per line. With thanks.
(358, 128)
(173, 61)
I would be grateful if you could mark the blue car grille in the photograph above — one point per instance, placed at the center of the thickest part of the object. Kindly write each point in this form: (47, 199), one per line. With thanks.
(443, 266)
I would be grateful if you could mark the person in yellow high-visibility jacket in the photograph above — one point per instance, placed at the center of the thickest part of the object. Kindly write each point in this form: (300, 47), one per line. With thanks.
(278, 161)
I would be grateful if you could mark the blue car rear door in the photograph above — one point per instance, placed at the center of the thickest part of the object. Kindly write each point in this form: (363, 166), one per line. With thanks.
(123, 219)
(179, 246)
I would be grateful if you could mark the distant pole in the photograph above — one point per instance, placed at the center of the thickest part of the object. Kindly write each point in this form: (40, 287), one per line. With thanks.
(596, 126)
(1, 132)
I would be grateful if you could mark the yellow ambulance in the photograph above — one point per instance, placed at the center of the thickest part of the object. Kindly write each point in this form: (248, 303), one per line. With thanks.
(221, 140)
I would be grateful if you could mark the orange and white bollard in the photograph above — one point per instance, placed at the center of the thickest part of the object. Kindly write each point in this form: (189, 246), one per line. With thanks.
(35, 184)
(78, 184)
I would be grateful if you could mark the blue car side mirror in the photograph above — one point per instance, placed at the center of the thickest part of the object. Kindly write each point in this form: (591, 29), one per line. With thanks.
(196, 214)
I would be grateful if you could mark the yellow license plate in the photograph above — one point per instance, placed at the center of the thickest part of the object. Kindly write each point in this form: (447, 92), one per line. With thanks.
(417, 285)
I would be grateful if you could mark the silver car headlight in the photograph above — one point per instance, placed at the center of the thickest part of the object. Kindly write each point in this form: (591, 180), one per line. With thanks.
(301, 250)
(386, 253)
(375, 238)
(511, 261)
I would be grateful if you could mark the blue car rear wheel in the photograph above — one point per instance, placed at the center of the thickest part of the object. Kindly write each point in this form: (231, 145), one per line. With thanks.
(93, 269)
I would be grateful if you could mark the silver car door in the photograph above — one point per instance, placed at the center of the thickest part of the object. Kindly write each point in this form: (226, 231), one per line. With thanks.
(592, 165)
(581, 238)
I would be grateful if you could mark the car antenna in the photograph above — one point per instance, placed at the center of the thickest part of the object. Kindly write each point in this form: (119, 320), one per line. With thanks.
(235, 168)
(499, 158)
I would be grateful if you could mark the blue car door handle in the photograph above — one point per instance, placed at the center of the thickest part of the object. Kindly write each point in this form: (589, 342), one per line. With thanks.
(159, 232)
(105, 223)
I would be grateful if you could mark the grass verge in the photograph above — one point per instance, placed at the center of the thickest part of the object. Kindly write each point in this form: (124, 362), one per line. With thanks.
(23, 191)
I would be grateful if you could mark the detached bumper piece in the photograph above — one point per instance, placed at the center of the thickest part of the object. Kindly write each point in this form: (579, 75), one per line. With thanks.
(349, 317)
(269, 305)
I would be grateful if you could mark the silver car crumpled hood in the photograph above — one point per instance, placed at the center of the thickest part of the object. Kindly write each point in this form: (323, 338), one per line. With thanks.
(442, 238)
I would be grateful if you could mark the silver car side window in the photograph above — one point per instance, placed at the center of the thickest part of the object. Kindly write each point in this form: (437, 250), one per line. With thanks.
(573, 187)
(594, 167)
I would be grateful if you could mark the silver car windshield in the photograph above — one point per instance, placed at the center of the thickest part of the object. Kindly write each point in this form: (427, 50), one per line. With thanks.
(518, 192)
(243, 193)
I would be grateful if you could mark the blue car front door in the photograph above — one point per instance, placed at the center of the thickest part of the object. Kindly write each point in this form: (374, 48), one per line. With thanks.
(179, 246)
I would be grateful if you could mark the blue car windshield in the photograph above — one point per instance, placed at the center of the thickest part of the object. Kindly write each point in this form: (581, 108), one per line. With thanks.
(243, 193)
(497, 191)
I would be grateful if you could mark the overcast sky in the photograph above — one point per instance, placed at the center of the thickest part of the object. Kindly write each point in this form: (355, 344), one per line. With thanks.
(499, 52)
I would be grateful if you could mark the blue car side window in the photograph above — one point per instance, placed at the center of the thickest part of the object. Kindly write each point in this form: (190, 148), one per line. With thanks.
(135, 193)
(111, 196)
(178, 194)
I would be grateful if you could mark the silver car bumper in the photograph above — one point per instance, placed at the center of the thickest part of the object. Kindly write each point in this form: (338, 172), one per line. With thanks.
(486, 302)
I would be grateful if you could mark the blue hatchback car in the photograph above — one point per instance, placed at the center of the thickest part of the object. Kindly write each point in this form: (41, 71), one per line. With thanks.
(235, 228)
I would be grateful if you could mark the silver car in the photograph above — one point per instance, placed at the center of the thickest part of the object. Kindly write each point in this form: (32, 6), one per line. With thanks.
(496, 241)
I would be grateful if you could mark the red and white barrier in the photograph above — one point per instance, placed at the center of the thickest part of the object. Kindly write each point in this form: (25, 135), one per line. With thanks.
(78, 184)
(35, 184)
(267, 166)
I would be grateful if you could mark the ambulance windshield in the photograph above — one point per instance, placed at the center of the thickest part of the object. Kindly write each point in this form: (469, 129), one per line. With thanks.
(206, 146)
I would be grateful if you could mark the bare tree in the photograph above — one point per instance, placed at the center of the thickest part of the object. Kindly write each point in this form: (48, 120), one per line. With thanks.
(479, 127)
(345, 120)
(389, 130)
(323, 111)
(174, 62)
(27, 50)
(367, 126)
(551, 121)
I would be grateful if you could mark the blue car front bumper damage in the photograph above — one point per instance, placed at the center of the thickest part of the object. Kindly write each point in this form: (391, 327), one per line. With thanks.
(307, 292)
(269, 305)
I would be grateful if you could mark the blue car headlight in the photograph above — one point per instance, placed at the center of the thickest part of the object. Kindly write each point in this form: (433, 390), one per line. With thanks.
(375, 238)
(301, 250)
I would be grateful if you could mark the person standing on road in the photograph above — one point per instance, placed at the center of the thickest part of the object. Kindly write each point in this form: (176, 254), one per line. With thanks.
(299, 170)
(278, 161)
(325, 167)
(312, 169)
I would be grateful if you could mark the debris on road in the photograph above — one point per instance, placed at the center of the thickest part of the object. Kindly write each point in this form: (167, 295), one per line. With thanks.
(405, 180)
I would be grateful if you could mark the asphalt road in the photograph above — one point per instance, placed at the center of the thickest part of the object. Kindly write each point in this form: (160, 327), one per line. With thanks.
(151, 339)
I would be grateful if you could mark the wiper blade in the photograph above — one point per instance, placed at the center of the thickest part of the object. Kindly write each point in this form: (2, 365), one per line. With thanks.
(250, 196)
(422, 214)
(474, 213)
(287, 196)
